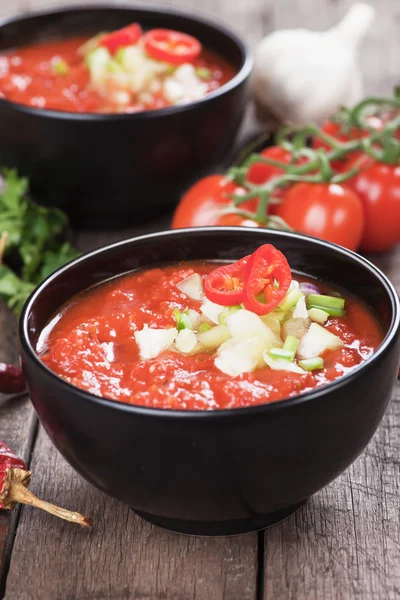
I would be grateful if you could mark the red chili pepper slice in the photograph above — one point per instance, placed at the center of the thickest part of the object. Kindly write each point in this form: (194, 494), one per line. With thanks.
(123, 37)
(171, 46)
(268, 280)
(225, 285)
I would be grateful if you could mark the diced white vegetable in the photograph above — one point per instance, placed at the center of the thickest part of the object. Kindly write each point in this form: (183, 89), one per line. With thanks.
(184, 85)
(280, 364)
(295, 327)
(300, 310)
(140, 67)
(293, 285)
(173, 90)
(235, 358)
(290, 300)
(211, 310)
(192, 286)
(186, 341)
(317, 341)
(121, 97)
(318, 315)
(97, 62)
(243, 324)
(273, 323)
(194, 317)
(214, 337)
(152, 342)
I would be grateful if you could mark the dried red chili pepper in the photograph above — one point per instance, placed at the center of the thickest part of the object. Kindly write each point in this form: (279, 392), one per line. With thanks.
(11, 379)
(14, 480)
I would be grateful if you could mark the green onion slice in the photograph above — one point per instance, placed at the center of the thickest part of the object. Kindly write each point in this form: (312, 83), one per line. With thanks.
(325, 302)
(312, 364)
(332, 312)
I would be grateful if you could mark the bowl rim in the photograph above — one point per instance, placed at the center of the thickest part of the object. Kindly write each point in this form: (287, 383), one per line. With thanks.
(272, 407)
(194, 16)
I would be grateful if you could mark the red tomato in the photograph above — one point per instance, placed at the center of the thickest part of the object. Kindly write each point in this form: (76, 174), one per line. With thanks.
(261, 172)
(203, 203)
(171, 46)
(378, 186)
(123, 37)
(329, 211)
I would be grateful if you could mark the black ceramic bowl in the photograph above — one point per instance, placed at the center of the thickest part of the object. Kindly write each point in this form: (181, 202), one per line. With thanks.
(227, 471)
(105, 169)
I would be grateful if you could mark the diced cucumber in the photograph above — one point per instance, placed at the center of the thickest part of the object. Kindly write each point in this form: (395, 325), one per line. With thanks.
(290, 300)
(318, 315)
(214, 337)
(203, 73)
(97, 62)
(225, 313)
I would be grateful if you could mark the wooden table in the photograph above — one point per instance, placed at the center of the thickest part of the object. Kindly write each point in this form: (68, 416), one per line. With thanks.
(344, 544)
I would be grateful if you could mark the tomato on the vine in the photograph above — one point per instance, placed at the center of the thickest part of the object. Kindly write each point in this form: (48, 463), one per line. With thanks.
(260, 172)
(329, 211)
(336, 131)
(378, 187)
(204, 203)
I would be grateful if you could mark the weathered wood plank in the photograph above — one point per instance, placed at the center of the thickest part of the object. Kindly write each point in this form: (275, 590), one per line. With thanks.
(17, 428)
(123, 557)
(346, 542)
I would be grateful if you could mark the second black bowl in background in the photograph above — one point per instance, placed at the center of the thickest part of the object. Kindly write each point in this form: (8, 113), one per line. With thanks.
(113, 169)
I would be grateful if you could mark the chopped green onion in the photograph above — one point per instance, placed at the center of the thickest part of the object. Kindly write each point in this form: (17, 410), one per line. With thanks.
(278, 314)
(203, 73)
(311, 364)
(290, 300)
(204, 327)
(170, 70)
(113, 67)
(291, 344)
(325, 302)
(225, 313)
(281, 353)
(120, 55)
(332, 312)
(182, 320)
(318, 315)
(60, 67)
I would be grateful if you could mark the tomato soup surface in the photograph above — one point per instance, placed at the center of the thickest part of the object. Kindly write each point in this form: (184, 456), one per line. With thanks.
(62, 75)
(91, 344)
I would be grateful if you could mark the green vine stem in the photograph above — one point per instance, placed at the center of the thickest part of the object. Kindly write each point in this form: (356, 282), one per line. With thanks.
(309, 165)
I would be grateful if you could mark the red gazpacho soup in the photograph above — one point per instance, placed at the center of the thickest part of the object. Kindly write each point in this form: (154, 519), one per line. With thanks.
(207, 336)
(124, 71)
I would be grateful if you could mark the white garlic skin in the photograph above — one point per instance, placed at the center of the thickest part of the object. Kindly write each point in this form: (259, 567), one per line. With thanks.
(302, 76)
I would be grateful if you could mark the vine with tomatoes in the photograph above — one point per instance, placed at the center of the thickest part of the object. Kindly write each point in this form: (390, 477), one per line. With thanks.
(339, 182)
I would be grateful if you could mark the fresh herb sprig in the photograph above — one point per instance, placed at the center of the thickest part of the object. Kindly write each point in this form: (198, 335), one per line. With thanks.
(32, 242)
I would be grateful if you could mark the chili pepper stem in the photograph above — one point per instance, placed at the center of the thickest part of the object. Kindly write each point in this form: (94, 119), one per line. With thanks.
(16, 490)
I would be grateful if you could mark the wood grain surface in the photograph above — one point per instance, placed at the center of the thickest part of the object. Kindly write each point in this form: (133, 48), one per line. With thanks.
(344, 544)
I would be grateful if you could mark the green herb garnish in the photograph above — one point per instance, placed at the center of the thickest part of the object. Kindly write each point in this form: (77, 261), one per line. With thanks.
(182, 319)
(60, 67)
(32, 242)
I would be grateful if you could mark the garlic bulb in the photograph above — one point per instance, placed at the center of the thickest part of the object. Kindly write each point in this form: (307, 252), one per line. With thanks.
(302, 76)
